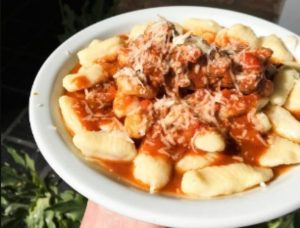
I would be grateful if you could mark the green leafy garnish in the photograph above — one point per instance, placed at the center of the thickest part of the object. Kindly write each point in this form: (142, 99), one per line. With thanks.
(283, 222)
(27, 200)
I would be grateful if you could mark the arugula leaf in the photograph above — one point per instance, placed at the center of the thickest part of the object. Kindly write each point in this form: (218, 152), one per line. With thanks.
(27, 200)
(17, 158)
(70, 209)
(13, 207)
(36, 216)
(10, 177)
(29, 163)
(283, 222)
(49, 216)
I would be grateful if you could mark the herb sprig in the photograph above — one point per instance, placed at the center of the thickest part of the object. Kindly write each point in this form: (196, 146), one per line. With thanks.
(27, 200)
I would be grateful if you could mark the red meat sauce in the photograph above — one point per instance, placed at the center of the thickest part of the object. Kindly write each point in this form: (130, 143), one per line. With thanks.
(238, 79)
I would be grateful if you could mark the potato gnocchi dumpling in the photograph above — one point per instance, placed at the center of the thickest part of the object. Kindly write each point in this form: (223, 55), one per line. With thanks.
(153, 171)
(293, 102)
(124, 105)
(262, 123)
(195, 161)
(209, 141)
(85, 78)
(293, 64)
(283, 84)
(284, 123)
(132, 86)
(71, 118)
(280, 52)
(99, 49)
(114, 145)
(136, 125)
(238, 34)
(223, 180)
(281, 151)
(190, 109)
(202, 27)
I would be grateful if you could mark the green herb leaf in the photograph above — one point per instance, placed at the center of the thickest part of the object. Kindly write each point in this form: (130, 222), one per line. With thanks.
(13, 207)
(67, 195)
(36, 217)
(283, 222)
(49, 219)
(9, 177)
(27, 200)
(10, 222)
(17, 158)
(30, 164)
(71, 209)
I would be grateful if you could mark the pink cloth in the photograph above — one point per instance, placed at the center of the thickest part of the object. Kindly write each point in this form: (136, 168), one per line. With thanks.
(96, 216)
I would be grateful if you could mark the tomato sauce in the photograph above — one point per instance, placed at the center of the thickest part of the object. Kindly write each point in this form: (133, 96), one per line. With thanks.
(174, 185)
(296, 115)
(250, 141)
(81, 82)
(123, 169)
(282, 169)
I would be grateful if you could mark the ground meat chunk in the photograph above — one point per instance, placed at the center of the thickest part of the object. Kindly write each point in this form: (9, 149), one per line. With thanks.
(149, 53)
(252, 68)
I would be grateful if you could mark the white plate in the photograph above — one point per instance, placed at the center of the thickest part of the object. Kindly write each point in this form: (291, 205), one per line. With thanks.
(255, 206)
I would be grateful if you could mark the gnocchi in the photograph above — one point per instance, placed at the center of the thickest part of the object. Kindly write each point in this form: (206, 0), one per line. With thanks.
(202, 27)
(280, 53)
(194, 161)
(209, 141)
(129, 85)
(124, 105)
(284, 123)
(136, 125)
(71, 118)
(239, 34)
(281, 151)
(114, 145)
(153, 171)
(293, 101)
(99, 49)
(283, 84)
(223, 180)
(85, 78)
(262, 123)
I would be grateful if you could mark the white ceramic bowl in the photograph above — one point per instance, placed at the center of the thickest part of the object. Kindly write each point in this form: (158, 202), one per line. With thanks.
(255, 206)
